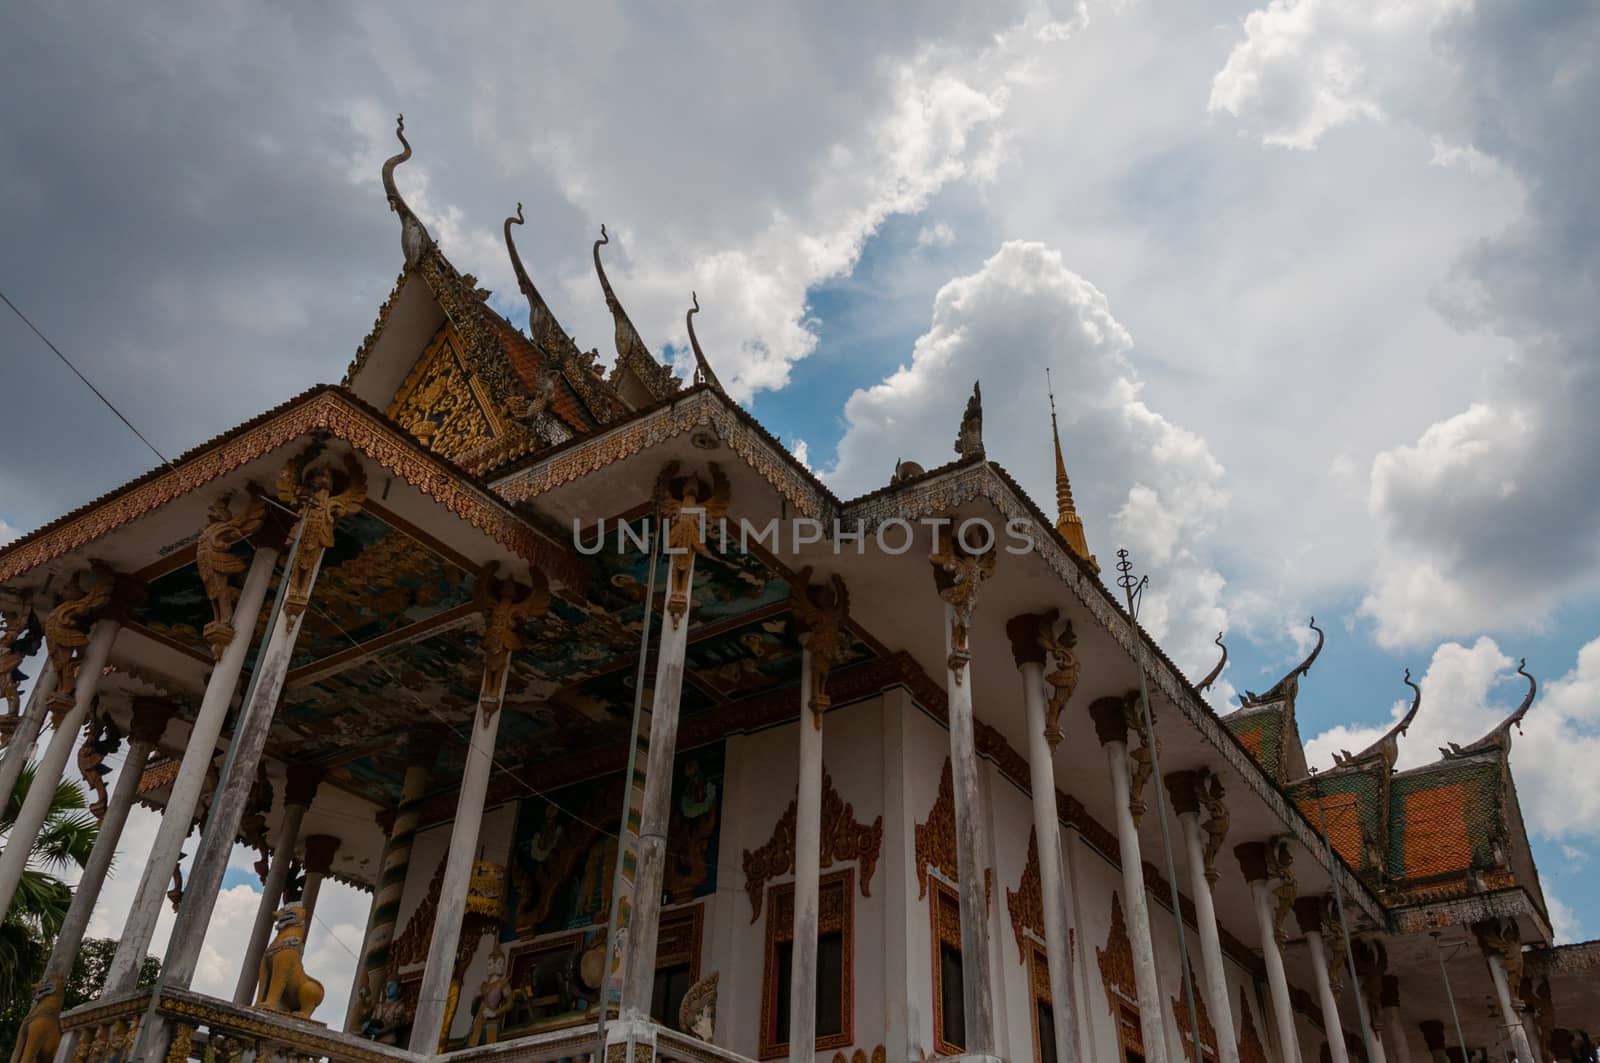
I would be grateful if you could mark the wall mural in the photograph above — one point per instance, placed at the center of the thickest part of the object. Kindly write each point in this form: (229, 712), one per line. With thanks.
(565, 847)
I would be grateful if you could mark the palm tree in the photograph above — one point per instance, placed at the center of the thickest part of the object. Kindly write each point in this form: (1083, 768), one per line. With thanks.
(42, 898)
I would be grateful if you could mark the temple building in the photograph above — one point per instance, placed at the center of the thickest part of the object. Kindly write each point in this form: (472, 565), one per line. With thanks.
(647, 745)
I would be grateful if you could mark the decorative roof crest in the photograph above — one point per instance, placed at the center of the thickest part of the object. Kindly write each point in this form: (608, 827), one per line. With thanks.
(1205, 684)
(1499, 738)
(1289, 685)
(414, 238)
(1388, 746)
(702, 367)
(969, 440)
(631, 350)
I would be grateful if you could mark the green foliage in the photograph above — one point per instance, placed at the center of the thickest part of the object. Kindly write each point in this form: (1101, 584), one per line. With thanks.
(93, 963)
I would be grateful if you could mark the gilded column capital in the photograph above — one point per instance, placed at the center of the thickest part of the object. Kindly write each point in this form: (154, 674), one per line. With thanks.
(1026, 630)
(957, 574)
(1110, 720)
(320, 851)
(66, 628)
(300, 784)
(506, 606)
(1213, 797)
(1183, 787)
(688, 505)
(1500, 937)
(217, 564)
(150, 718)
(820, 612)
(21, 635)
(324, 495)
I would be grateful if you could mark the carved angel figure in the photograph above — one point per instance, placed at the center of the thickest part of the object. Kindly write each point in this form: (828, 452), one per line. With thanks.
(217, 563)
(957, 574)
(1216, 822)
(506, 605)
(323, 499)
(1143, 758)
(100, 739)
(1063, 678)
(1280, 866)
(820, 612)
(689, 506)
(66, 629)
(21, 635)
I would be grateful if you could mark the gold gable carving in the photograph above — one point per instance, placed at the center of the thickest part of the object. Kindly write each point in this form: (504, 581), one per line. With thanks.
(1026, 902)
(1180, 1013)
(1251, 1048)
(843, 838)
(1116, 961)
(935, 839)
(442, 403)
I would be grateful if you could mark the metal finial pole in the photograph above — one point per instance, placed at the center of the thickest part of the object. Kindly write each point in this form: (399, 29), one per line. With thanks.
(1449, 994)
(1133, 590)
(1344, 928)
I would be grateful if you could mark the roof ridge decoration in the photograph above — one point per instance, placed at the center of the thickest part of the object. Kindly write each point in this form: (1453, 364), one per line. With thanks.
(702, 367)
(1211, 677)
(1068, 524)
(1387, 746)
(1499, 739)
(541, 322)
(414, 238)
(1289, 685)
(632, 354)
(969, 439)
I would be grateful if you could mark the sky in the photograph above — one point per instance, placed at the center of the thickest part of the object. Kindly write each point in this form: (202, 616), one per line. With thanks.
(1315, 282)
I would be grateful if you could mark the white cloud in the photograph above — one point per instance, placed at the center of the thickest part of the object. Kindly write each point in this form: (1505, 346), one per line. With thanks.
(938, 234)
(801, 451)
(1024, 309)
(7, 532)
(1565, 926)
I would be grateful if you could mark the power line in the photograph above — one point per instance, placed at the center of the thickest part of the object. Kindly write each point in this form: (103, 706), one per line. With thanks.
(86, 382)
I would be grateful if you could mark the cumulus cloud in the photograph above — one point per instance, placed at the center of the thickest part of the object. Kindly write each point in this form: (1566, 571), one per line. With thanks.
(7, 532)
(1139, 479)
(938, 234)
(1469, 690)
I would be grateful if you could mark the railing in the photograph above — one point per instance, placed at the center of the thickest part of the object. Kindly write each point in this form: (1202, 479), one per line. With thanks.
(217, 1031)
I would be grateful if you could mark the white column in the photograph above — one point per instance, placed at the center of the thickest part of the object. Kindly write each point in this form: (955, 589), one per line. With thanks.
(807, 868)
(391, 884)
(299, 791)
(36, 807)
(644, 926)
(1215, 978)
(1111, 728)
(1331, 1024)
(978, 1003)
(1508, 1014)
(1252, 860)
(149, 720)
(1047, 829)
(20, 748)
(1072, 859)
(176, 818)
(427, 1029)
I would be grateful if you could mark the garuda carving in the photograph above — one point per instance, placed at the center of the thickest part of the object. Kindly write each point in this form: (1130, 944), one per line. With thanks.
(324, 497)
(1062, 679)
(1212, 798)
(506, 606)
(218, 564)
(957, 574)
(21, 635)
(66, 630)
(820, 614)
(1143, 757)
(688, 505)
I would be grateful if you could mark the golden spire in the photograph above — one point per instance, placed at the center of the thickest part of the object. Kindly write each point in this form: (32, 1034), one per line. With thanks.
(1068, 524)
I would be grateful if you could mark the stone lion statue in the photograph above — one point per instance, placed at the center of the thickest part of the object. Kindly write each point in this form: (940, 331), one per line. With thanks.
(40, 1033)
(283, 984)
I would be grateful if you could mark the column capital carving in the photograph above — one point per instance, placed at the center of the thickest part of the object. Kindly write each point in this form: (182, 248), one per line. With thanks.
(690, 505)
(1183, 787)
(1308, 914)
(1280, 865)
(1110, 720)
(506, 606)
(66, 628)
(324, 496)
(1213, 797)
(217, 564)
(1025, 631)
(1500, 937)
(820, 612)
(957, 574)
(150, 717)
(1252, 857)
(300, 784)
(320, 850)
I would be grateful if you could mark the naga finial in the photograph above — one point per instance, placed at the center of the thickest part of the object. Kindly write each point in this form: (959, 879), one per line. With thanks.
(414, 238)
(1500, 737)
(702, 367)
(969, 439)
(1205, 684)
(1290, 683)
(1515, 719)
(1416, 702)
(632, 354)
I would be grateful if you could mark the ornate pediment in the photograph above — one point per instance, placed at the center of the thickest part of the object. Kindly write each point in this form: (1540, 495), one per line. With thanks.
(1116, 961)
(442, 403)
(843, 838)
(935, 841)
(1026, 902)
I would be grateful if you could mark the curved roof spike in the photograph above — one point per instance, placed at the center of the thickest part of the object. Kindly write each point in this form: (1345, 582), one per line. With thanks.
(632, 354)
(1389, 743)
(1411, 713)
(702, 366)
(1515, 719)
(414, 238)
(1290, 683)
(1205, 684)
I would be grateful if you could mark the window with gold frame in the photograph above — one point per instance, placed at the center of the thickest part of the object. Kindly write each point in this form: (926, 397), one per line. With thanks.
(949, 1017)
(836, 933)
(677, 961)
(1044, 1020)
